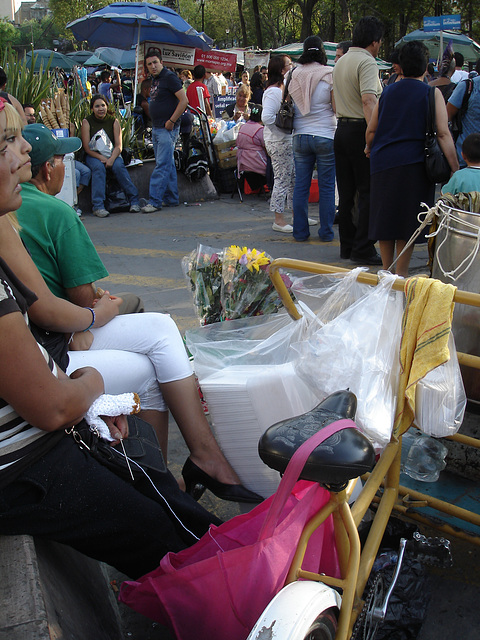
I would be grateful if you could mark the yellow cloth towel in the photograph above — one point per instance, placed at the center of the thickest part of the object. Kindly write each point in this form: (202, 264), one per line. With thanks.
(426, 325)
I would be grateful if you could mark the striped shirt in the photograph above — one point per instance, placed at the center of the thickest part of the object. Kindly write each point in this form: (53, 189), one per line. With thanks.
(20, 443)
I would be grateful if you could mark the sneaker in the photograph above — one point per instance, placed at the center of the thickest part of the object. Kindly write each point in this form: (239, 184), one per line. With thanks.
(135, 208)
(149, 208)
(78, 211)
(100, 213)
(312, 222)
(287, 228)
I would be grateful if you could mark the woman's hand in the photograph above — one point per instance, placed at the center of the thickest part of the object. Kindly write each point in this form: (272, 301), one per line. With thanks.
(106, 308)
(118, 427)
(109, 162)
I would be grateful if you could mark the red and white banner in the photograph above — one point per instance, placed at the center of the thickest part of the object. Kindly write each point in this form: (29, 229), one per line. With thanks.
(215, 60)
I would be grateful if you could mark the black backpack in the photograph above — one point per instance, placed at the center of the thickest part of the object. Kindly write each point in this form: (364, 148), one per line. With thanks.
(196, 164)
(456, 124)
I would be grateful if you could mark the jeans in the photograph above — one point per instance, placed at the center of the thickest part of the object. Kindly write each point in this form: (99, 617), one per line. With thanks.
(82, 174)
(163, 183)
(99, 177)
(308, 150)
(353, 175)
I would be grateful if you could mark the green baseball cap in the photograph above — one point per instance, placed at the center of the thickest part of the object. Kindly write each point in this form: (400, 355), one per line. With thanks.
(45, 143)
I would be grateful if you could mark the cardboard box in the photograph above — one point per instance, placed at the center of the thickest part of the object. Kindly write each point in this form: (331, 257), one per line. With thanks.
(226, 154)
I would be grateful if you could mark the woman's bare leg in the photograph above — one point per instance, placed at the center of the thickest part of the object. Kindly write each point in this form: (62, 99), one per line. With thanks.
(404, 261)
(183, 401)
(387, 249)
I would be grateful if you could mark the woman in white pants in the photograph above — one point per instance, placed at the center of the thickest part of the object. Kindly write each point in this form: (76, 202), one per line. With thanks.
(148, 349)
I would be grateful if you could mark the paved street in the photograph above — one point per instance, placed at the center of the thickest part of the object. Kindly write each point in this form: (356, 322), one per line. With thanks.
(143, 255)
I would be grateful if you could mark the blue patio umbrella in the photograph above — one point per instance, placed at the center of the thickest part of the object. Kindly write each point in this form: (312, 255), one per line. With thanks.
(436, 41)
(125, 24)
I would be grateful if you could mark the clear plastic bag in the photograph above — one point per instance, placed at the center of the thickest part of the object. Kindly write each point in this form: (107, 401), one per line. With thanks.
(203, 270)
(359, 350)
(257, 341)
(327, 295)
(440, 399)
(246, 372)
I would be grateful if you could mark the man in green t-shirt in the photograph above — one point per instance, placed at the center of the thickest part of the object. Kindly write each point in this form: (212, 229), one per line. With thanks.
(53, 233)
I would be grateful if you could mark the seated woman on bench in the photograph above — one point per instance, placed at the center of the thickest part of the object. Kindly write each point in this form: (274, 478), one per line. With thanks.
(102, 142)
(49, 486)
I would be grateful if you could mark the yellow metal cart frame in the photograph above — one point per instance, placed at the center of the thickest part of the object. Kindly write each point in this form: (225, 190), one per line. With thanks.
(382, 486)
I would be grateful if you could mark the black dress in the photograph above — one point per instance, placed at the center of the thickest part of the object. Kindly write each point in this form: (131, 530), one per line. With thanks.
(399, 182)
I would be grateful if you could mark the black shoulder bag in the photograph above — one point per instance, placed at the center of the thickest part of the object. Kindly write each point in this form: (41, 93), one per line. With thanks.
(284, 117)
(436, 164)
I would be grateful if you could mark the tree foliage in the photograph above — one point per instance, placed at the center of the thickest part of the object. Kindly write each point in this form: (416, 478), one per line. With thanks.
(8, 34)
(272, 23)
(65, 11)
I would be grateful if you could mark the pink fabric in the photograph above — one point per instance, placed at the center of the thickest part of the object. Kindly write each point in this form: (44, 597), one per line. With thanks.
(305, 79)
(251, 154)
(218, 587)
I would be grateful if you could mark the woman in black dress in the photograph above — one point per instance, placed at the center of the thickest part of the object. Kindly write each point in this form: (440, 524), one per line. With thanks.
(395, 141)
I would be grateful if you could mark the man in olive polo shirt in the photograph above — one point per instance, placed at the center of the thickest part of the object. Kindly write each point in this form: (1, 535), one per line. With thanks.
(356, 89)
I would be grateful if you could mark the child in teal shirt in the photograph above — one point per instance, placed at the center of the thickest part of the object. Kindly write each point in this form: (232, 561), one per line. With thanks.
(467, 179)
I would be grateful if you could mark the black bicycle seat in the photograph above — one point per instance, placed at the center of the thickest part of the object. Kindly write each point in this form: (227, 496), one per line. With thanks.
(341, 457)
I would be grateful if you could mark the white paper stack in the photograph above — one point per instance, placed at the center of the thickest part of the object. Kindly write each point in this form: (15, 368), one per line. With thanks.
(243, 402)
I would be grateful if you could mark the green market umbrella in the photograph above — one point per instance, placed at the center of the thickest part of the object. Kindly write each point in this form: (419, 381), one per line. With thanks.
(42, 58)
(436, 41)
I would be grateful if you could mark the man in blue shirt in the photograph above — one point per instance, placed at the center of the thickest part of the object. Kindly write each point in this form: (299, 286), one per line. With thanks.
(168, 101)
(471, 119)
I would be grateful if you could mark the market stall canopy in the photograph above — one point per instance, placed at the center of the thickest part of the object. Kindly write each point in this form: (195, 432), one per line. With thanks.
(295, 50)
(116, 57)
(42, 57)
(461, 43)
(125, 24)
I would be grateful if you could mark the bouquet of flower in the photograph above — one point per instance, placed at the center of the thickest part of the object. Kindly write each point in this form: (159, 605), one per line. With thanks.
(231, 283)
(203, 270)
(246, 286)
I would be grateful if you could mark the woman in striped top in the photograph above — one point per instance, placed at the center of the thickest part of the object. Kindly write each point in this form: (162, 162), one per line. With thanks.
(49, 487)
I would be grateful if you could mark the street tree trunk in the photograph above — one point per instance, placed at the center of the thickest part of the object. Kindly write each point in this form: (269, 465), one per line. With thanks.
(258, 26)
(242, 23)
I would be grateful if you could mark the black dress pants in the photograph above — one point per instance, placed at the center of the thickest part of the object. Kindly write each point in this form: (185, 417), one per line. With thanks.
(353, 175)
(69, 497)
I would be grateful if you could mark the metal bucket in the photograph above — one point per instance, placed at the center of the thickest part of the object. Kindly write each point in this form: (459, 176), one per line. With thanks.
(457, 261)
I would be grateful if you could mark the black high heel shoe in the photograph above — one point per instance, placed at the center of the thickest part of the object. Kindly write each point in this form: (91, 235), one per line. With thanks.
(196, 481)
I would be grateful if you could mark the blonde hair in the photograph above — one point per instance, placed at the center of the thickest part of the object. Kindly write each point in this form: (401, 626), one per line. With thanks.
(12, 218)
(14, 121)
(245, 90)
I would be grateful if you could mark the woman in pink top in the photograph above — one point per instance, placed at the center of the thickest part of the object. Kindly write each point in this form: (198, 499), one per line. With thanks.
(251, 153)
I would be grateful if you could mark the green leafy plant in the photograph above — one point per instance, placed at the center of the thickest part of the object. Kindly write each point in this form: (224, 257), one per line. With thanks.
(23, 83)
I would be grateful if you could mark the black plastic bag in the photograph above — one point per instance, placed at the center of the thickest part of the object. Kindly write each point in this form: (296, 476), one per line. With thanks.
(116, 199)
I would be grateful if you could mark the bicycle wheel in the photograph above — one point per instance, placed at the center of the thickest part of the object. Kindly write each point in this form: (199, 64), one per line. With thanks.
(324, 627)
(300, 611)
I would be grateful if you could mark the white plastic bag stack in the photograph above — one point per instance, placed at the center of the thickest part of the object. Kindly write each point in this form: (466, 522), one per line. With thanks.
(440, 398)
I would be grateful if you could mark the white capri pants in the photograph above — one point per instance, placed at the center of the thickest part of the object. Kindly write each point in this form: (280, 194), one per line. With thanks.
(135, 352)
